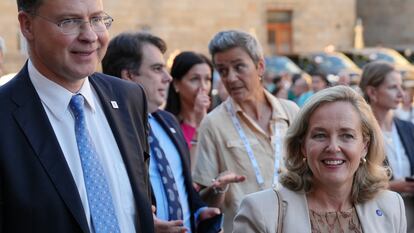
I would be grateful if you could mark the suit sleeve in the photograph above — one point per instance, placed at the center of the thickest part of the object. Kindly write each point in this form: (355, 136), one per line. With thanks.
(144, 139)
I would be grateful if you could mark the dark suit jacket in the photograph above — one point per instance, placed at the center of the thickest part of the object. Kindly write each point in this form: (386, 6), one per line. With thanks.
(37, 190)
(168, 122)
(405, 130)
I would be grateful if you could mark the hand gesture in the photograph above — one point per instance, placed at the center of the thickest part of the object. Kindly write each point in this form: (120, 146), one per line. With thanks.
(161, 226)
(224, 179)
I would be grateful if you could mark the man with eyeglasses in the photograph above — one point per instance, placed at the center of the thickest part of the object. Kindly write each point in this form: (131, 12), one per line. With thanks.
(73, 143)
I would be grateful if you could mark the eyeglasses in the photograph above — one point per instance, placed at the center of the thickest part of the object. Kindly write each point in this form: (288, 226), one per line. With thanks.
(74, 26)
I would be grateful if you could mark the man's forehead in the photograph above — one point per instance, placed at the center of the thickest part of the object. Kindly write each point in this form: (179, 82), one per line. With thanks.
(152, 54)
(72, 7)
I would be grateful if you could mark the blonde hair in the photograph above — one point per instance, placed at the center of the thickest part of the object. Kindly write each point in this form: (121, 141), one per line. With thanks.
(370, 177)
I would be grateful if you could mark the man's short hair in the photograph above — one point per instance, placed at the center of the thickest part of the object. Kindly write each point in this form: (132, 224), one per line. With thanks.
(28, 5)
(125, 52)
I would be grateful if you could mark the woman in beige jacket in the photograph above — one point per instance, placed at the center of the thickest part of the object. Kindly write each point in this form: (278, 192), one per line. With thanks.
(334, 179)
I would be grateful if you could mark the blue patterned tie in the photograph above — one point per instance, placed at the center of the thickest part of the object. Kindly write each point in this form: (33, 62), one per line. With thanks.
(99, 196)
(174, 207)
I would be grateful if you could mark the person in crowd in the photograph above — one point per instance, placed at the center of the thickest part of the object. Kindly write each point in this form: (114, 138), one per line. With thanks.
(281, 88)
(189, 95)
(138, 57)
(300, 88)
(334, 180)
(239, 147)
(73, 146)
(381, 86)
(268, 80)
(319, 82)
(344, 78)
(406, 110)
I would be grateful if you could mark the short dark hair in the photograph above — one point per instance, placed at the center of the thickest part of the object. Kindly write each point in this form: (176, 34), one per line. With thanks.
(125, 52)
(322, 75)
(28, 5)
(182, 63)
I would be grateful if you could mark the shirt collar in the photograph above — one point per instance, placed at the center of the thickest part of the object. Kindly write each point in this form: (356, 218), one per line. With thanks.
(55, 97)
(277, 108)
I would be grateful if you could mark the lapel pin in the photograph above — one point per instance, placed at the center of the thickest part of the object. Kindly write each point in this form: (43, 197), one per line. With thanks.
(379, 212)
(114, 104)
(173, 130)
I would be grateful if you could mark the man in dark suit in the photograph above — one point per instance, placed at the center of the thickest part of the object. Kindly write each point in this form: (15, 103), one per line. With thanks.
(73, 143)
(138, 57)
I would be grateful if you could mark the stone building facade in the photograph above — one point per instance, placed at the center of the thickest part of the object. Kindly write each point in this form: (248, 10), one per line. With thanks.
(387, 22)
(309, 25)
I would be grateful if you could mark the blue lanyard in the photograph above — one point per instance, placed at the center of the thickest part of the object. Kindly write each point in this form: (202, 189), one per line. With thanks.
(249, 150)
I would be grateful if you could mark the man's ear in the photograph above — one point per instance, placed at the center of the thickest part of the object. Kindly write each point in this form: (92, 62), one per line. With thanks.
(126, 75)
(26, 25)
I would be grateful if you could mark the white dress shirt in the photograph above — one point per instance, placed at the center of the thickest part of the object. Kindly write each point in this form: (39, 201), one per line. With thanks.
(55, 100)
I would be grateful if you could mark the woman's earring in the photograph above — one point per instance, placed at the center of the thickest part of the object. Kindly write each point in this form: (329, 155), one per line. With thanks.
(363, 160)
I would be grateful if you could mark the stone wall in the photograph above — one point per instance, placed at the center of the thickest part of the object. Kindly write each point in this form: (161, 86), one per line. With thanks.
(387, 22)
(190, 24)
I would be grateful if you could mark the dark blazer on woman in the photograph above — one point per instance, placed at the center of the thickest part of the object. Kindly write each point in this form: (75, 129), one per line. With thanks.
(405, 130)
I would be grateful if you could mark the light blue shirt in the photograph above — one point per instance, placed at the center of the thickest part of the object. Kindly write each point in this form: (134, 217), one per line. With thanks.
(301, 100)
(174, 160)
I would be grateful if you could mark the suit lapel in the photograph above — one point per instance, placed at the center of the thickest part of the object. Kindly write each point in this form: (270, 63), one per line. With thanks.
(120, 126)
(296, 210)
(34, 123)
(174, 133)
(127, 140)
(369, 218)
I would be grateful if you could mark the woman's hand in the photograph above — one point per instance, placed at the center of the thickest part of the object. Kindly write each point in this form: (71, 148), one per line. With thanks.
(213, 195)
(224, 179)
(201, 104)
